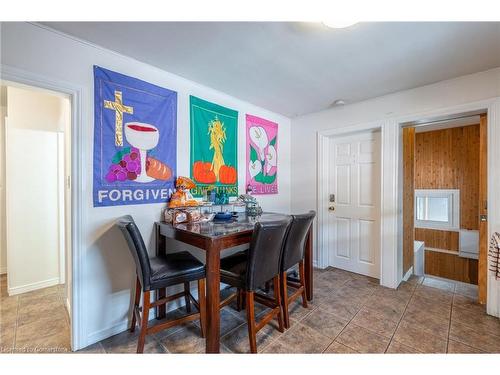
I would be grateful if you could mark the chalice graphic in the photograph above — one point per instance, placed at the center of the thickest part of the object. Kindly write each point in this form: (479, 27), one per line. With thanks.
(144, 137)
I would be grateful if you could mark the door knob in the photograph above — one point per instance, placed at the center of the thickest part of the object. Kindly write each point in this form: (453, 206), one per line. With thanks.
(331, 208)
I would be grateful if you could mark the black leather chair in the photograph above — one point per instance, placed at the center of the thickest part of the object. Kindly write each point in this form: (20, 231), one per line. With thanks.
(250, 269)
(160, 273)
(293, 254)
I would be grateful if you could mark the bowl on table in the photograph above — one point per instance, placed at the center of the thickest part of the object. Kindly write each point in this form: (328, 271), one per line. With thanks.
(223, 216)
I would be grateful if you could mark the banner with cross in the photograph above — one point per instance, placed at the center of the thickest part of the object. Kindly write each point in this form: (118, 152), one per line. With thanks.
(135, 138)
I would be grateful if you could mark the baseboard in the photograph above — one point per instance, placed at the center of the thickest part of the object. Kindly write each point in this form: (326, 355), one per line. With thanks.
(34, 286)
(3, 270)
(408, 274)
(124, 325)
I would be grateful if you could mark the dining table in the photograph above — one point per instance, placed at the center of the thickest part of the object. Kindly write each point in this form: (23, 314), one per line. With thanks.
(214, 237)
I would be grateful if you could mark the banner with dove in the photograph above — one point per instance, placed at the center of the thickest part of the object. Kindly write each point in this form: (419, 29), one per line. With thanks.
(262, 155)
(135, 140)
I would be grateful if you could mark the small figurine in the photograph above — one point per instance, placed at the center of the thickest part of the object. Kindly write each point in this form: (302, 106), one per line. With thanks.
(253, 208)
(182, 197)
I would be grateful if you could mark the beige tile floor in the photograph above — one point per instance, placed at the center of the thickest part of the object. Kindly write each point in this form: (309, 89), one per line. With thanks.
(350, 314)
(34, 322)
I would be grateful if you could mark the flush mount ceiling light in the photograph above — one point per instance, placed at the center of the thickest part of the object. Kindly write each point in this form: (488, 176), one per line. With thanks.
(339, 23)
(338, 103)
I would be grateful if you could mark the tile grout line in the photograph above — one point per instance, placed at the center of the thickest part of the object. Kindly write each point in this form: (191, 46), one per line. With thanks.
(16, 325)
(401, 319)
(449, 325)
(349, 322)
(305, 316)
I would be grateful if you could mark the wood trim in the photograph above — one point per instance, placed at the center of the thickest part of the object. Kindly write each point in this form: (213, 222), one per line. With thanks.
(483, 209)
(408, 197)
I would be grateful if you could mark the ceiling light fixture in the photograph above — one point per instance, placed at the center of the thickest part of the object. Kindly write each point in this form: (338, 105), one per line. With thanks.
(339, 23)
(338, 103)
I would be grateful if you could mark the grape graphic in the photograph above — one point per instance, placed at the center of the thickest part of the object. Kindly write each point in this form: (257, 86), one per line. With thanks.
(126, 165)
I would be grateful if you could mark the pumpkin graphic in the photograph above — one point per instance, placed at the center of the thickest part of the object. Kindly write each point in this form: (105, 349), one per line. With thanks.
(227, 175)
(202, 172)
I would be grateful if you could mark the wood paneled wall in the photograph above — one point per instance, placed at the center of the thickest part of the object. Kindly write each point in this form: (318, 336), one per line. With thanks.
(438, 239)
(449, 159)
(451, 267)
(408, 197)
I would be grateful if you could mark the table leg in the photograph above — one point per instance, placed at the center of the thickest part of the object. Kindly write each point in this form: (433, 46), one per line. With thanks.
(213, 299)
(308, 260)
(160, 244)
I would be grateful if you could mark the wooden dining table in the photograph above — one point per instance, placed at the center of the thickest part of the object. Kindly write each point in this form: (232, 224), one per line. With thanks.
(214, 237)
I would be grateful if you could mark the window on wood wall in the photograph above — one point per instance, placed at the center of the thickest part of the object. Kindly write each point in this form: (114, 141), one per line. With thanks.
(437, 209)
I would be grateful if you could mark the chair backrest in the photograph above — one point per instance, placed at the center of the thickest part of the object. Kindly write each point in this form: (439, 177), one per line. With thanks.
(293, 250)
(264, 254)
(137, 249)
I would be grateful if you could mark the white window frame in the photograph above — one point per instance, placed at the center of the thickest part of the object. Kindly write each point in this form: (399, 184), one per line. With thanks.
(453, 195)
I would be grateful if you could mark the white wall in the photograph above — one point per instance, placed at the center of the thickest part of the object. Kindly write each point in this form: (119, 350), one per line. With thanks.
(37, 109)
(109, 270)
(3, 248)
(387, 112)
(36, 119)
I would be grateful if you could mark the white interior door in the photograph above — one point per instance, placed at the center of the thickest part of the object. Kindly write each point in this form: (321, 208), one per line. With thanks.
(32, 210)
(354, 213)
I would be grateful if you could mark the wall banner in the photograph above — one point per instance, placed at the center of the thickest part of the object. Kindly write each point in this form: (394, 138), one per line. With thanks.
(262, 155)
(214, 155)
(135, 138)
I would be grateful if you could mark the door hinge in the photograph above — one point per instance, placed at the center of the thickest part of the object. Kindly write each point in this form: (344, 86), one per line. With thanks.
(68, 182)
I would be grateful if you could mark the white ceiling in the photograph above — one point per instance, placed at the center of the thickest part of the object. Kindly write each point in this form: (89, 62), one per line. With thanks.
(298, 68)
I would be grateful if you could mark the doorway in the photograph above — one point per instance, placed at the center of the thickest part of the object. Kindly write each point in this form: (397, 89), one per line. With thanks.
(36, 239)
(354, 203)
(444, 202)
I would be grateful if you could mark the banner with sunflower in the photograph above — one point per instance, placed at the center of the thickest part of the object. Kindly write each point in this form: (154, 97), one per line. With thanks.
(214, 139)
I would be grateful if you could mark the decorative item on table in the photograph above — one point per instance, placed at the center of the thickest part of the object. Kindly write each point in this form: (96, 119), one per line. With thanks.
(209, 195)
(252, 206)
(206, 217)
(221, 197)
(185, 216)
(182, 197)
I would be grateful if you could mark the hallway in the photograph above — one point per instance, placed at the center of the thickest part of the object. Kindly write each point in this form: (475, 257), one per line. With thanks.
(34, 322)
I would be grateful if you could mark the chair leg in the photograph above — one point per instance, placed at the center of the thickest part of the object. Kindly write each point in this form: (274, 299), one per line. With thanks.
(239, 299)
(302, 277)
(145, 318)
(203, 306)
(284, 299)
(277, 299)
(186, 297)
(251, 321)
(137, 300)
(267, 287)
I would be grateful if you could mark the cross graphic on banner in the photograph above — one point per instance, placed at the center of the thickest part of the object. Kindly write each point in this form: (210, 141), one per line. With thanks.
(119, 109)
